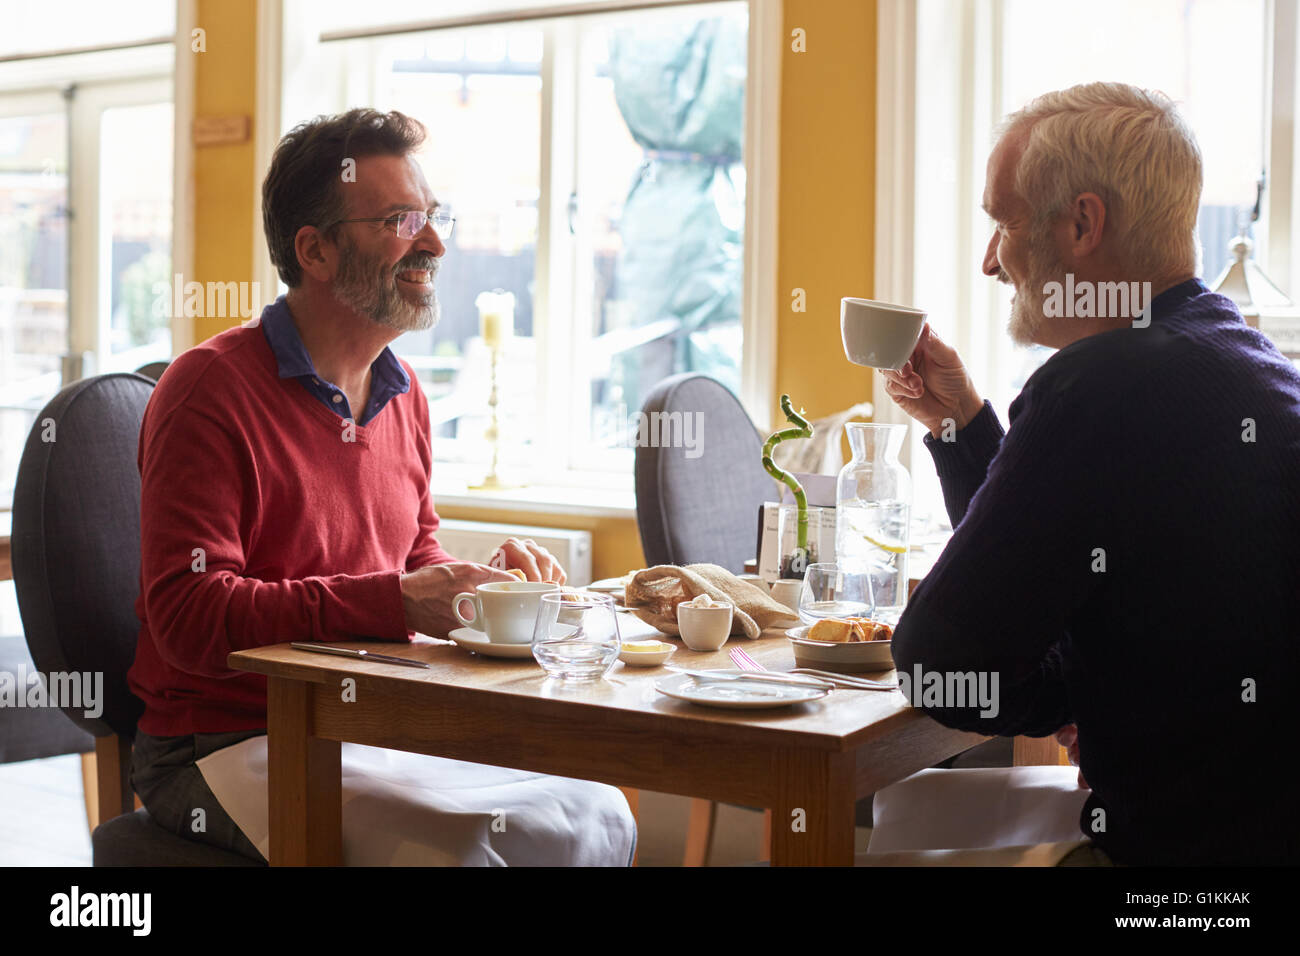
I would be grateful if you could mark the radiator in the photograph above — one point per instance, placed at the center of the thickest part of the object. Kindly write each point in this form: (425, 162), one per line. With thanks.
(476, 540)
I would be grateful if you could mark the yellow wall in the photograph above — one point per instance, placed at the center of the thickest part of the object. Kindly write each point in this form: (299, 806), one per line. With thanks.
(826, 243)
(225, 183)
(827, 205)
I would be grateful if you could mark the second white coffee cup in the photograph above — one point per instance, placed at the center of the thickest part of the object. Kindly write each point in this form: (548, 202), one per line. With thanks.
(504, 610)
(878, 334)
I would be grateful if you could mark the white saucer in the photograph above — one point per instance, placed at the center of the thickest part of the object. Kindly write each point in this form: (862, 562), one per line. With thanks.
(735, 695)
(607, 586)
(478, 642)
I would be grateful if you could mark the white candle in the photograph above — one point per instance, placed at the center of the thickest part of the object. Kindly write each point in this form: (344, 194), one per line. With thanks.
(496, 315)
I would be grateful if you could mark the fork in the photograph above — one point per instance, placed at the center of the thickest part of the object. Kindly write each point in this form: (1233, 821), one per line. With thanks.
(747, 663)
(744, 661)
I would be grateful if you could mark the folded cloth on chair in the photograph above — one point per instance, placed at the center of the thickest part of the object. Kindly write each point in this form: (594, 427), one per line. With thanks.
(987, 808)
(653, 595)
(405, 809)
(1041, 854)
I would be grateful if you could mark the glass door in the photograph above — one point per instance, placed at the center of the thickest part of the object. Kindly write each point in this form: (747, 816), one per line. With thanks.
(33, 268)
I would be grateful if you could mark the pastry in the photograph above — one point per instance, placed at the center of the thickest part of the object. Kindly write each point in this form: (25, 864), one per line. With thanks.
(873, 630)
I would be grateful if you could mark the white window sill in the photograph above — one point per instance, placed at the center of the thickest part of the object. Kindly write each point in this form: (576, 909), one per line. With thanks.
(591, 495)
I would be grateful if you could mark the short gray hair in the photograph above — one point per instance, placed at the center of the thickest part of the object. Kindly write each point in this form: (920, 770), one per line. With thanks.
(1129, 146)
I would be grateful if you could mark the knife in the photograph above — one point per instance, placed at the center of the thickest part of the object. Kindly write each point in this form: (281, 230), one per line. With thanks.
(363, 655)
(754, 676)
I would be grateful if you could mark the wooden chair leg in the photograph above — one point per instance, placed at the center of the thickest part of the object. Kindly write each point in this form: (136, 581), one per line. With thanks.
(90, 790)
(633, 797)
(113, 776)
(699, 832)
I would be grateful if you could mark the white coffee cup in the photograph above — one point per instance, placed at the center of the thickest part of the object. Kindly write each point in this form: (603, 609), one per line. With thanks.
(878, 334)
(504, 610)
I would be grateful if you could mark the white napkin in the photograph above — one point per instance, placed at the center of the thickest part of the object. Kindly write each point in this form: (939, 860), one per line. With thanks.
(1015, 813)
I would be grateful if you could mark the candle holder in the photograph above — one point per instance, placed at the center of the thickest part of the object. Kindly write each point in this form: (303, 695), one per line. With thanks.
(493, 481)
(497, 320)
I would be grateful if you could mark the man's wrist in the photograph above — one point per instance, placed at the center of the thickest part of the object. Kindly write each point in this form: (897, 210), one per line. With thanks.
(962, 416)
(972, 407)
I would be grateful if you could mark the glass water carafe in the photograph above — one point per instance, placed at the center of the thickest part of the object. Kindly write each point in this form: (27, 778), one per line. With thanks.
(873, 512)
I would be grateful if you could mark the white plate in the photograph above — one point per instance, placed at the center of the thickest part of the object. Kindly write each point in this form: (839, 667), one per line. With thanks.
(735, 695)
(477, 642)
(607, 586)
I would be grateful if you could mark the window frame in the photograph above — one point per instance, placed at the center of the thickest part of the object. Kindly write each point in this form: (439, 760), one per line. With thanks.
(289, 48)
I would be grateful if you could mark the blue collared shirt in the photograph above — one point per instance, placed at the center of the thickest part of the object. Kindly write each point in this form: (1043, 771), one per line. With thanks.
(387, 377)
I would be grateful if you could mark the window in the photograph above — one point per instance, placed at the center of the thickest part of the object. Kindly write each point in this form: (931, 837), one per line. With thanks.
(85, 201)
(983, 61)
(596, 168)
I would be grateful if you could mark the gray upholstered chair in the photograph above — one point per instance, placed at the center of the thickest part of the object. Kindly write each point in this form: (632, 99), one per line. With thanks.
(700, 505)
(76, 557)
(701, 509)
(152, 370)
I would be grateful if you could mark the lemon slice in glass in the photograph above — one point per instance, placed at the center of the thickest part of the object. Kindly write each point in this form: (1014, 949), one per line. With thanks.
(893, 547)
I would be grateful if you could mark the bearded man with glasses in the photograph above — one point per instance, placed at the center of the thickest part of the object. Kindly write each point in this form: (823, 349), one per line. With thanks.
(293, 456)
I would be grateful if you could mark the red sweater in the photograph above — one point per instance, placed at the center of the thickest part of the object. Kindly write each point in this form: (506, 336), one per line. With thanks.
(304, 535)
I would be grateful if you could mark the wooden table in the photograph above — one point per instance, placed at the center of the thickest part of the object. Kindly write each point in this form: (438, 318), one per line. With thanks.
(809, 763)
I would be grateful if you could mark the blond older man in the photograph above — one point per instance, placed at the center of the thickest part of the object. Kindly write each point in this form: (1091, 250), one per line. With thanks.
(1126, 556)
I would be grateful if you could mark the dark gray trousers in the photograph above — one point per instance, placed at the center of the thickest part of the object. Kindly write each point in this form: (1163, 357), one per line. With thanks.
(172, 788)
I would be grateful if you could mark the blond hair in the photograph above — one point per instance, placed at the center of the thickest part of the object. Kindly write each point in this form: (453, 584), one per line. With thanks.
(1129, 146)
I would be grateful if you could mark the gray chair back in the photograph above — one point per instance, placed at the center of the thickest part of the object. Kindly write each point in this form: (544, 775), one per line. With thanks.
(700, 505)
(76, 540)
(152, 370)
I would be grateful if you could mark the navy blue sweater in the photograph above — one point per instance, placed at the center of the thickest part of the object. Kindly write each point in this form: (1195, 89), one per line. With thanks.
(1127, 558)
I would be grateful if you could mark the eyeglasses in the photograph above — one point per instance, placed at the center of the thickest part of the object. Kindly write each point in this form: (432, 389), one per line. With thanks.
(411, 223)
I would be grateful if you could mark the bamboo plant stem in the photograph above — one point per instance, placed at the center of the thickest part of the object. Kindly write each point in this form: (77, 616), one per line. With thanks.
(800, 429)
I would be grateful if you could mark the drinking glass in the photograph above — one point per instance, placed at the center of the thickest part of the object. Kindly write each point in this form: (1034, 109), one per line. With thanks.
(576, 635)
(830, 590)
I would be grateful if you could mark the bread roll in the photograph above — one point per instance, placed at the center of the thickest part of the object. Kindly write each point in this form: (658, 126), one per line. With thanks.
(834, 631)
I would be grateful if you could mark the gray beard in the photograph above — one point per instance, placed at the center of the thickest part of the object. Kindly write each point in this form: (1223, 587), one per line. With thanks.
(373, 293)
(1026, 315)
(1027, 318)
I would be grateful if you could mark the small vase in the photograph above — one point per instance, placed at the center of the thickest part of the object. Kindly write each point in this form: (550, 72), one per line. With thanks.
(873, 514)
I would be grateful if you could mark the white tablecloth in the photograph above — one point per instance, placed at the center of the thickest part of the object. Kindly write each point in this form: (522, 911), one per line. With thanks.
(403, 809)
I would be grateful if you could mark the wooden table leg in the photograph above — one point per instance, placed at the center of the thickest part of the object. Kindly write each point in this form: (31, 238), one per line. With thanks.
(1038, 752)
(304, 781)
(812, 822)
